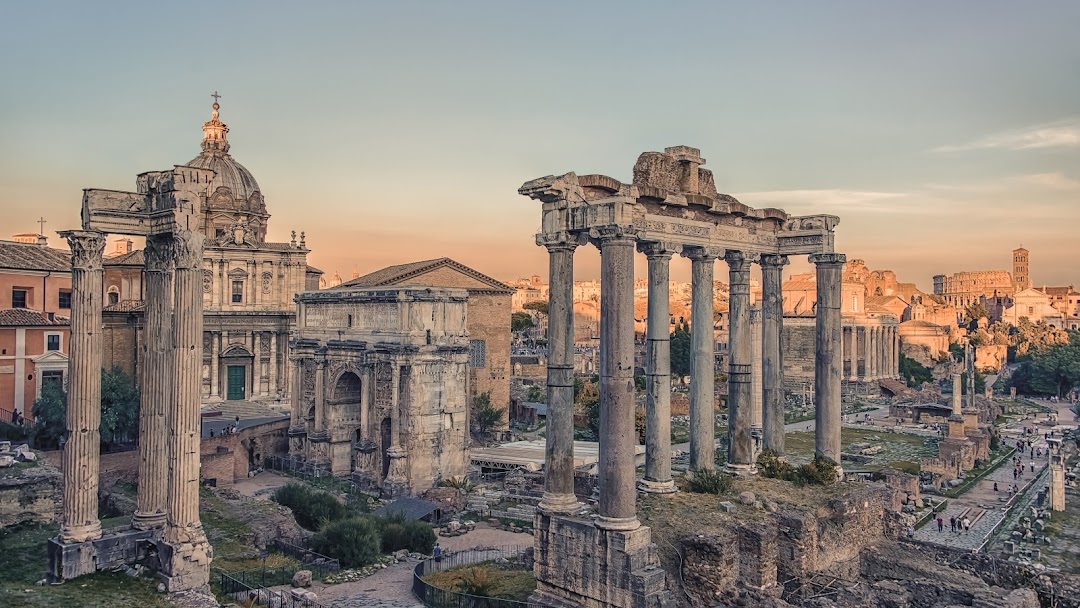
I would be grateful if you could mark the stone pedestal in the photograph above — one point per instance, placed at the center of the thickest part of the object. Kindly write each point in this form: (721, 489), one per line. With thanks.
(70, 560)
(581, 566)
(396, 483)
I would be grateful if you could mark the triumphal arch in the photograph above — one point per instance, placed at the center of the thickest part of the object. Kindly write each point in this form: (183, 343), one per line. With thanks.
(167, 209)
(670, 207)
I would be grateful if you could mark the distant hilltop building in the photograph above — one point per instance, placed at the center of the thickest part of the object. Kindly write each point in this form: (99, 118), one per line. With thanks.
(971, 287)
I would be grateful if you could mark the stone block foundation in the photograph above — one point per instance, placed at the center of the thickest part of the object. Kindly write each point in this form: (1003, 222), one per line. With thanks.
(581, 566)
(70, 560)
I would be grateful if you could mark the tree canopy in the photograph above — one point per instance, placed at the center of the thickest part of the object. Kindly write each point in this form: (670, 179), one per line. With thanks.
(1050, 369)
(540, 306)
(520, 321)
(119, 410)
(680, 350)
(484, 414)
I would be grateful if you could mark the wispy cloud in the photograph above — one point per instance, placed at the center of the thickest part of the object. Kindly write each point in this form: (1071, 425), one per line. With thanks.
(828, 198)
(1011, 184)
(1061, 134)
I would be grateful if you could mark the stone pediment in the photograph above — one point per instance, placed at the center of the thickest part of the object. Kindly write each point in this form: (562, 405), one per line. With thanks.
(442, 272)
(54, 357)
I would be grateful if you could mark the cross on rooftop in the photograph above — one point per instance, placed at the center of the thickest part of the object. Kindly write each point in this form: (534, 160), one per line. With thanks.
(215, 96)
(41, 223)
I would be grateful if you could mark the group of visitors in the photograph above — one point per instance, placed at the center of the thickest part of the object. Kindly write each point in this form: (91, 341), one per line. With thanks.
(232, 429)
(17, 419)
(956, 525)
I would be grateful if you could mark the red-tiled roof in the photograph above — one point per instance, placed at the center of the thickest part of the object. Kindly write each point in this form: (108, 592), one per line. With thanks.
(131, 258)
(23, 317)
(24, 256)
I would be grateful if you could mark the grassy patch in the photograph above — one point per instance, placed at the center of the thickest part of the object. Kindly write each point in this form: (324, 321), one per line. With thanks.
(488, 579)
(799, 446)
(23, 548)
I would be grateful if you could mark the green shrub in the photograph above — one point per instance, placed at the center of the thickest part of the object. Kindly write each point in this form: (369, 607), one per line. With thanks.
(820, 471)
(419, 537)
(707, 481)
(311, 508)
(906, 466)
(354, 541)
(771, 465)
(393, 537)
(458, 483)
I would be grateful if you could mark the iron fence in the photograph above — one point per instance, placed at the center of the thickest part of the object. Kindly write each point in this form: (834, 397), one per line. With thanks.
(435, 597)
(250, 588)
(318, 563)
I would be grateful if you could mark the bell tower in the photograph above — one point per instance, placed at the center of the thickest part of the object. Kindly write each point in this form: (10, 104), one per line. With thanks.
(1021, 269)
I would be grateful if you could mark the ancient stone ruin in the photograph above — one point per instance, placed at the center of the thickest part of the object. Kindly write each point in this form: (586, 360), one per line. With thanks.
(166, 209)
(672, 206)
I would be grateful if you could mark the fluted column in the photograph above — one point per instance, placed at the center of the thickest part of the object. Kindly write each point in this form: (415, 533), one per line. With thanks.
(772, 358)
(81, 458)
(827, 365)
(273, 371)
(296, 423)
(658, 371)
(702, 358)
(740, 352)
(872, 350)
(618, 438)
(320, 395)
(559, 441)
(155, 386)
(188, 565)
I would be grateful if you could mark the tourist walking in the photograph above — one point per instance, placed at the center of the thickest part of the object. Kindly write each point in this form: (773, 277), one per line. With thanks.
(952, 524)
(967, 525)
(995, 487)
(940, 524)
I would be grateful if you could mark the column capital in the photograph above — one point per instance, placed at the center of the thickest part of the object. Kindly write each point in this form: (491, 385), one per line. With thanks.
(158, 253)
(827, 259)
(741, 258)
(702, 254)
(558, 241)
(187, 246)
(657, 249)
(614, 233)
(87, 247)
(778, 261)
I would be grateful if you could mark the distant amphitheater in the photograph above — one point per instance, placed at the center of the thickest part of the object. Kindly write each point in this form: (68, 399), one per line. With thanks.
(966, 288)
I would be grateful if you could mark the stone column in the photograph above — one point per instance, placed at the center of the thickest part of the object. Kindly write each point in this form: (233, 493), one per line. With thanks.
(186, 560)
(618, 437)
(957, 392)
(273, 388)
(702, 359)
(827, 365)
(740, 400)
(658, 371)
(320, 396)
(559, 443)
(772, 358)
(757, 391)
(81, 457)
(215, 371)
(155, 385)
(872, 353)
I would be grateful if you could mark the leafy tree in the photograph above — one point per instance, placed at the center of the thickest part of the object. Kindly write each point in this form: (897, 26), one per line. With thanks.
(980, 383)
(119, 407)
(913, 372)
(520, 321)
(485, 415)
(1056, 370)
(50, 411)
(588, 402)
(355, 541)
(536, 394)
(540, 306)
(957, 352)
(680, 350)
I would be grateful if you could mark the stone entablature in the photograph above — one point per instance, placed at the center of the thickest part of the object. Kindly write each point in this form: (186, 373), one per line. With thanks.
(380, 390)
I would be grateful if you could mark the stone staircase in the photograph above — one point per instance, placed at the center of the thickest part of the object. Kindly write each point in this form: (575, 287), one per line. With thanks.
(245, 409)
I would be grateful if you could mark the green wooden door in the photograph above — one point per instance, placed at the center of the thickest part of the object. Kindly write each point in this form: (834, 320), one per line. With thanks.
(236, 382)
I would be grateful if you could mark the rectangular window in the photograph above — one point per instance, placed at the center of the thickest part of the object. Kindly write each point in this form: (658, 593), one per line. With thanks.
(19, 298)
(237, 292)
(477, 354)
(65, 299)
(52, 342)
(52, 376)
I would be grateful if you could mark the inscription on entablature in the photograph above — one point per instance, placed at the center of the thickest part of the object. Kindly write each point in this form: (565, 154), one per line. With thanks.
(802, 241)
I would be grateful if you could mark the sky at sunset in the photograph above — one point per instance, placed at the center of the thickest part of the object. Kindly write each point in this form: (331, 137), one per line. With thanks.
(942, 134)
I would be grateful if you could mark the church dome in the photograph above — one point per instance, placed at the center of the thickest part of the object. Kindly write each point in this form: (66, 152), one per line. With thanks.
(233, 197)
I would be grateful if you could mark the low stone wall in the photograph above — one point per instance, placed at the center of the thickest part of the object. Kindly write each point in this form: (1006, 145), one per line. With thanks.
(31, 496)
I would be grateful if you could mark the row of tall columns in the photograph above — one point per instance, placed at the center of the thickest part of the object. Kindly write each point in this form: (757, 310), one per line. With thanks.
(617, 435)
(876, 347)
(155, 386)
(81, 457)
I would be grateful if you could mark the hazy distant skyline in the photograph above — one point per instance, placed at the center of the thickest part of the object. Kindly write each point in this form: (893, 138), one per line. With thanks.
(943, 137)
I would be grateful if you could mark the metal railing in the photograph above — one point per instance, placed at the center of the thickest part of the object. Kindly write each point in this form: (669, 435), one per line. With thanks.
(318, 563)
(435, 597)
(249, 588)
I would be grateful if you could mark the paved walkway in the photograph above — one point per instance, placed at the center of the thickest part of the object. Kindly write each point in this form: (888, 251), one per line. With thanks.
(984, 507)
